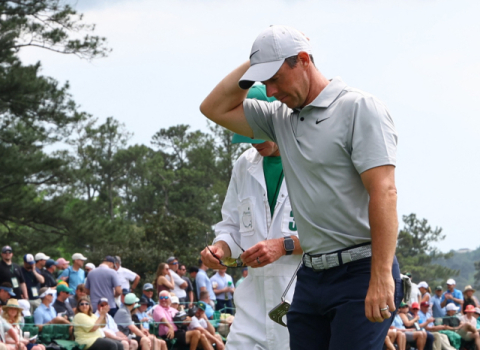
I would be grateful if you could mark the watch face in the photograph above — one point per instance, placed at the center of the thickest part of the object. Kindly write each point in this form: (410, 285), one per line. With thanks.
(289, 245)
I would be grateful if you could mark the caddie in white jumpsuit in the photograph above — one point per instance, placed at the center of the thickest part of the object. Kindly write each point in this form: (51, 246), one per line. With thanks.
(260, 228)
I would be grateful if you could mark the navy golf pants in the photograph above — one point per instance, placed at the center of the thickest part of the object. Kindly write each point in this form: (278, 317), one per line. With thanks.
(328, 309)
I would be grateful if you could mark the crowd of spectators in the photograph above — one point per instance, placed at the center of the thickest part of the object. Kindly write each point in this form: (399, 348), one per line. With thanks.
(96, 306)
(439, 320)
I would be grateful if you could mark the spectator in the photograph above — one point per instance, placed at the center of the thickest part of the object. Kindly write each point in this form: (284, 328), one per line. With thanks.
(12, 273)
(62, 265)
(74, 275)
(168, 329)
(12, 312)
(469, 298)
(222, 284)
(80, 292)
(476, 314)
(175, 303)
(88, 267)
(424, 291)
(244, 275)
(6, 330)
(468, 326)
(145, 330)
(87, 328)
(25, 305)
(103, 283)
(123, 318)
(122, 297)
(415, 338)
(148, 294)
(41, 260)
(437, 309)
(203, 282)
(33, 279)
(182, 270)
(452, 295)
(201, 323)
(179, 285)
(161, 282)
(61, 306)
(395, 336)
(192, 271)
(45, 313)
(6, 292)
(142, 313)
(126, 276)
(111, 329)
(49, 273)
(205, 297)
(426, 320)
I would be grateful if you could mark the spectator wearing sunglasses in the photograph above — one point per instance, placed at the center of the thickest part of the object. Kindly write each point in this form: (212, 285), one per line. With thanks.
(45, 313)
(12, 273)
(182, 270)
(179, 285)
(125, 323)
(164, 314)
(258, 226)
(87, 327)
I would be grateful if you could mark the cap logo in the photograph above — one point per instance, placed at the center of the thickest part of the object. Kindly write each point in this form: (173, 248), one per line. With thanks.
(254, 52)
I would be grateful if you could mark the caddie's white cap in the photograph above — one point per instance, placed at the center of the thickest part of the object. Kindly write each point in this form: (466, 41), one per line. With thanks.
(78, 256)
(452, 306)
(451, 282)
(423, 284)
(269, 51)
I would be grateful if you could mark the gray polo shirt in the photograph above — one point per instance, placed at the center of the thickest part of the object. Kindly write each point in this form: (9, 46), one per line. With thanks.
(325, 147)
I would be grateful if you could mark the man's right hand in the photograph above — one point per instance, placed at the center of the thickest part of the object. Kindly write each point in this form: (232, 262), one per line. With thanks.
(210, 260)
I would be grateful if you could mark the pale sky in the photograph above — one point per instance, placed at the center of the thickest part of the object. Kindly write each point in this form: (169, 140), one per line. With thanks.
(421, 58)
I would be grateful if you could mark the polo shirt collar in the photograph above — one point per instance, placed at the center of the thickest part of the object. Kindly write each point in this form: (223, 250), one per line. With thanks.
(329, 93)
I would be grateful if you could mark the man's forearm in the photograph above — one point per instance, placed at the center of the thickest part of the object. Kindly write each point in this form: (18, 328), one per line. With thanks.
(226, 96)
(23, 287)
(384, 229)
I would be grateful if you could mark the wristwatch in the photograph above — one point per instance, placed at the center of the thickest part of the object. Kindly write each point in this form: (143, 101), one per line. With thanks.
(289, 245)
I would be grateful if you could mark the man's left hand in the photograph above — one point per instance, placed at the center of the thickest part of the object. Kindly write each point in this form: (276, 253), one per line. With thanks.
(380, 295)
(264, 253)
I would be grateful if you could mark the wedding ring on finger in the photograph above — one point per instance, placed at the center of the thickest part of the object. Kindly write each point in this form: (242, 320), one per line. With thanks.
(384, 309)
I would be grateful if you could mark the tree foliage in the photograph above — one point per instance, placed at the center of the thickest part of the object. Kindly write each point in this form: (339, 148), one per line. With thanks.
(416, 253)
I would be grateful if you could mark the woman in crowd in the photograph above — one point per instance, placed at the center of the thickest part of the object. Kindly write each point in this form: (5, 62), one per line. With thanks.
(87, 327)
(161, 282)
(80, 292)
(12, 313)
(413, 337)
(469, 298)
(426, 292)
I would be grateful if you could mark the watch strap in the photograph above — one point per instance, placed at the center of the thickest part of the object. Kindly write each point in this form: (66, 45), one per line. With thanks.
(288, 245)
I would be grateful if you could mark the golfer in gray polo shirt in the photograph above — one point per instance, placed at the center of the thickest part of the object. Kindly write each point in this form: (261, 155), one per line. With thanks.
(338, 146)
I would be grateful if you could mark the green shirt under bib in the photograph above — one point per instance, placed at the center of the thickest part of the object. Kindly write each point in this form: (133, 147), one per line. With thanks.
(273, 171)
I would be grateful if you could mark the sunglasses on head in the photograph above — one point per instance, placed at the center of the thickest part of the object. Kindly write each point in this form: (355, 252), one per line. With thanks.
(164, 298)
(84, 304)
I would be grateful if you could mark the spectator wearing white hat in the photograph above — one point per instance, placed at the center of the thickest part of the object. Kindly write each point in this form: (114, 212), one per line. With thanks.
(25, 305)
(425, 292)
(452, 295)
(74, 275)
(33, 279)
(89, 267)
(469, 298)
(45, 313)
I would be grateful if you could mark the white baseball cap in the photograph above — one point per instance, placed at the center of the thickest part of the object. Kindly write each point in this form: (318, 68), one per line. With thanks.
(451, 282)
(423, 284)
(269, 51)
(78, 256)
(90, 266)
(41, 256)
(451, 306)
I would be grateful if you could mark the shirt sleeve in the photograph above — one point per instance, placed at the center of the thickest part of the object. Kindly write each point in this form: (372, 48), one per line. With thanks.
(115, 279)
(129, 274)
(87, 284)
(194, 324)
(374, 138)
(259, 116)
(201, 280)
(122, 318)
(64, 273)
(178, 280)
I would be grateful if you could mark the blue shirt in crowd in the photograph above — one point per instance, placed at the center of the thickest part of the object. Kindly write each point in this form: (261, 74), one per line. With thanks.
(202, 280)
(74, 278)
(437, 309)
(397, 322)
(456, 294)
(44, 314)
